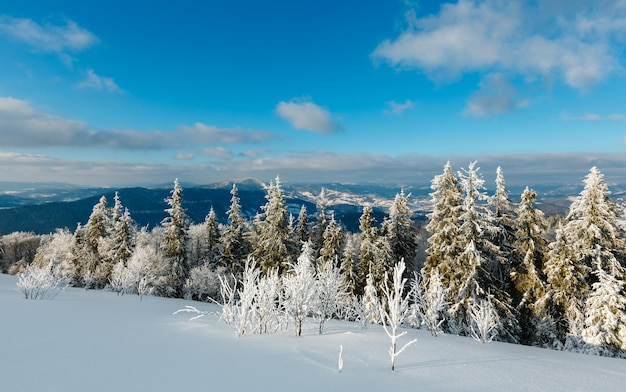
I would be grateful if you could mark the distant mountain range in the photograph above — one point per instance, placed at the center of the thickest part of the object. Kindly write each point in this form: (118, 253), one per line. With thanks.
(43, 207)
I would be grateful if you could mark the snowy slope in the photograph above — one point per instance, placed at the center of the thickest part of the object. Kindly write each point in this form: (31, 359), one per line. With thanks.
(98, 341)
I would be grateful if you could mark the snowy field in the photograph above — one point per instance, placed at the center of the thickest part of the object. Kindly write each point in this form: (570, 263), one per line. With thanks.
(99, 341)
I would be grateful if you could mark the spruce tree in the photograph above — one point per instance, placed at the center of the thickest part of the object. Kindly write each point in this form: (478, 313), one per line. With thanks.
(399, 230)
(271, 247)
(302, 226)
(443, 225)
(333, 241)
(234, 243)
(175, 241)
(530, 248)
(212, 236)
(350, 263)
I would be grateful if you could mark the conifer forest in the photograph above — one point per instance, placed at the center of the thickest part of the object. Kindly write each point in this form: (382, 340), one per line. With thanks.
(481, 266)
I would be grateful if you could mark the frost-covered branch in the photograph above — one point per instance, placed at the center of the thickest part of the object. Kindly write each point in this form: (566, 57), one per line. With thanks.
(42, 282)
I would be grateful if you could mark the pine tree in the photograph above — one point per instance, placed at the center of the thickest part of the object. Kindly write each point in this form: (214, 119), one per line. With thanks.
(373, 254)
(443, 225)
(530, 248)
(121, 234)
(318, 229)
(271, 247)
(504, 220)
(97, 229)
(175, 241)
(350, 262)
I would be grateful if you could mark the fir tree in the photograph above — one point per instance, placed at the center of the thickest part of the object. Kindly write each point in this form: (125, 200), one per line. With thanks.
(528, 263)
(399, 230)
(374, 254)
(234, 243)
(349, 263)
(605, 311)
(212, 236)
(443, 225)
(175, 241)
(333, 239)
(271, 247)
(302, 226)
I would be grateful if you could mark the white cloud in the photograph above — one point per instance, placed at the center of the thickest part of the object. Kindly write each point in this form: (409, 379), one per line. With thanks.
(219, 153)
(316, 167)
(398, 108)
(304, 114)
(594, 117)
(495, 96)
(48, 37)
(512, 36)
(183, 156)
(99, 83)
(23, 126)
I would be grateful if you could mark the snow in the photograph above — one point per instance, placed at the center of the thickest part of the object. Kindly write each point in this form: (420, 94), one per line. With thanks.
(99, 341)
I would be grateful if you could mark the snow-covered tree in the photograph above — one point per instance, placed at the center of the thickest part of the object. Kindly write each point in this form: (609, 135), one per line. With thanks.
(370, 302)
(321, 221)
(485, 321)
(300, 287)
(444, 225)
(302, 226)
(332, 244)
(234, 244)
(605, 312)
(375, 252)
(399, 231)
(430, 301)
(271, 246)
(175, 240)
(42, 282)
(530, 250)
(118, 244)
(97, 270)
(268, 295)
(394, 311)
(212, 237)
(350, 262)
(332, 296)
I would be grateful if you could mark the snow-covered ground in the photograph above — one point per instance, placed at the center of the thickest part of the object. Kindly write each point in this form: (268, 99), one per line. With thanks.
(99, 341)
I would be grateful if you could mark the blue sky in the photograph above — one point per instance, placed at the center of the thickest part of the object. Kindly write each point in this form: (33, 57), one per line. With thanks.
(314, 91)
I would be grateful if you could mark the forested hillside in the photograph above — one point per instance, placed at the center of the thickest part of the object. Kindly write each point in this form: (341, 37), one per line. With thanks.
(483, 266)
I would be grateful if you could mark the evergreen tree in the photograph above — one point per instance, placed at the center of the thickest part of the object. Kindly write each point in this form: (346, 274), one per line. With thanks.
(120, 244)
(528, 263)
(399, 230)
(212, 236)
(504, 220)
(302, 226)
(97, 270)
(234, 244)
(175, 241)
(333, 239)
(317, 232)
(605, 311)
(443, 225)
(480, 265)
(271, 247)
(350, 262)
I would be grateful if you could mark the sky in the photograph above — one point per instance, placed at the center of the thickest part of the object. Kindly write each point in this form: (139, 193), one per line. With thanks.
(377, 91)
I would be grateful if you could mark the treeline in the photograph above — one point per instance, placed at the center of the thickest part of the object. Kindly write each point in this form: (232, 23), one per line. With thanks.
(558, 286)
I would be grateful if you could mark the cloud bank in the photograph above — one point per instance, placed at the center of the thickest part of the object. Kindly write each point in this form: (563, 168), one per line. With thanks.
(21, 125)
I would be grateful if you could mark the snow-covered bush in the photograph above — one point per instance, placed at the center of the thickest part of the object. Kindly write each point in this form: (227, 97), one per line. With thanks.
(485, 321)
(203, 283)
(332, 295)
(300, 288)
(430, 302)
(42, 282)
(268, 294)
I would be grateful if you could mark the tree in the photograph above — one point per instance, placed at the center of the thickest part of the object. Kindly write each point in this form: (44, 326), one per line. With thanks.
(302, 226)
(530, 248)
(175, 240)
(119, 242)
(430, 301)
(444, 225)
(42, 282)
(374, 253)
(394, 312)
(332, 296)
(399, 230)
(319, 227)
(605, 312)
(234, 244)
(300, 288)
(97, 228)
(332, 244)
(349, 262)
(212, 237)
(271, 247)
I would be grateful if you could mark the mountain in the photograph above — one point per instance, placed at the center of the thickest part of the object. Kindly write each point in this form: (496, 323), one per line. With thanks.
(43, 207)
